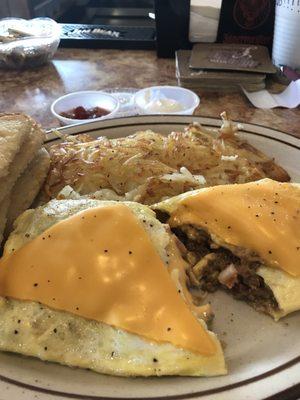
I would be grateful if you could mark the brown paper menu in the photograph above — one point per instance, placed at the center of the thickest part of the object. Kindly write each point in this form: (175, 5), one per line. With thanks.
(233, 57)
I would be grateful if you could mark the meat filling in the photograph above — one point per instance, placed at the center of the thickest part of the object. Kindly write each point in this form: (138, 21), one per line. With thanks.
(214, 266)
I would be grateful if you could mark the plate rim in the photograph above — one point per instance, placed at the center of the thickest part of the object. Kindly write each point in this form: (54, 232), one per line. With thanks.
(213, 122)
(183, 396)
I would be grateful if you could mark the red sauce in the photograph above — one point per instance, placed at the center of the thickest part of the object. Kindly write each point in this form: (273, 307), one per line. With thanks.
(85, 113)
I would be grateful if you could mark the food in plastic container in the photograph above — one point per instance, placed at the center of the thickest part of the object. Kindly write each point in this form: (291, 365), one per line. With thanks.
(27, 43)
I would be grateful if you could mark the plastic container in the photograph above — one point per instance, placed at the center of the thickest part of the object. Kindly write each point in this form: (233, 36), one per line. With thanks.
(87, 99)
(125, 98)
(27, 43)
(156, 100)
(286, 47)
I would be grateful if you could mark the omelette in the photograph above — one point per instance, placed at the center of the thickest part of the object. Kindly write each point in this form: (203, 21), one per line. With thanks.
(102, 285)
(244, 238)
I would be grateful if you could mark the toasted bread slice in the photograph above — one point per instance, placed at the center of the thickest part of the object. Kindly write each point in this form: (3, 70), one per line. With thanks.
(34, 136)
(13, 132)
(3, 215)
(27, 186)
(20, 139)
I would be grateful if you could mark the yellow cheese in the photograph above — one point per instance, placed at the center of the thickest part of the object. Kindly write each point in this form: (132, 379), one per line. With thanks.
(260, 216)
(101, 264)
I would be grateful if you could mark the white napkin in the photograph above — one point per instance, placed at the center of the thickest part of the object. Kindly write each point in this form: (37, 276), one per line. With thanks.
(289, 98)
(204, 20)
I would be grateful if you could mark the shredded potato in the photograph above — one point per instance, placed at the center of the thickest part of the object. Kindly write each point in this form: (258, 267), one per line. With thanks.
(148, 167)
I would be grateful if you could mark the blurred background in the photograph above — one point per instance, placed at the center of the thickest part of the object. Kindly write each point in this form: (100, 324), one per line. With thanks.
(112, 12)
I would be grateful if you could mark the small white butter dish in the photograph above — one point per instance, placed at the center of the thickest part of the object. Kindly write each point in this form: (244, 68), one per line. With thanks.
(166, 100)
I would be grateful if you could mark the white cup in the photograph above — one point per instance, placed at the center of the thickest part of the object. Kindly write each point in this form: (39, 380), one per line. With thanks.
(286, 44)
(185, 97)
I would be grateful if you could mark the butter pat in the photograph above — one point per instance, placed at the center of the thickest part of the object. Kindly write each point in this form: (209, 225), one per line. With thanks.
(164, 105)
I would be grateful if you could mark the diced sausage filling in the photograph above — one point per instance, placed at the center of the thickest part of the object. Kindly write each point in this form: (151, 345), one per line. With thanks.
(214, 266)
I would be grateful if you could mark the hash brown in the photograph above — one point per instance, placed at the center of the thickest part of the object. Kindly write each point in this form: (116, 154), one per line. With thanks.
(148, 167)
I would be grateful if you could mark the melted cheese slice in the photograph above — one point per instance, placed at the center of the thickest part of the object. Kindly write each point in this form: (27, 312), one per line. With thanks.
(261, 216)
(178, 268)
(101, 264)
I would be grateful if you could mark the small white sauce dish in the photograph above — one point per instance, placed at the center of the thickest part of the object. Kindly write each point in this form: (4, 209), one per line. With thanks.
(87, 99)
(166, 100)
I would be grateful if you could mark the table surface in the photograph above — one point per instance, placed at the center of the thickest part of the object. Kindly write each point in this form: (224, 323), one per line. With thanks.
(71, 70)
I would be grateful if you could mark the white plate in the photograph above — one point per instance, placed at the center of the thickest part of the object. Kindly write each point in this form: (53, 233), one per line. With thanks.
(263, 356)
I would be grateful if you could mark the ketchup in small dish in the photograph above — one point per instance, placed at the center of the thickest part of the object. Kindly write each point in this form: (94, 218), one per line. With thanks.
(85, 113)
